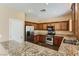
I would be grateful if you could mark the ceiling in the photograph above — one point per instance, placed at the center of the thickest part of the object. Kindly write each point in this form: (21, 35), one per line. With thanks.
(49, 10)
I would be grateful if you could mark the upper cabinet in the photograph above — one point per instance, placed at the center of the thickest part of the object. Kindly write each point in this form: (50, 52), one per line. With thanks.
(31, 24)
(45, 26)
(65, 26)
(40, 26)
(59, 26)
(35, 26)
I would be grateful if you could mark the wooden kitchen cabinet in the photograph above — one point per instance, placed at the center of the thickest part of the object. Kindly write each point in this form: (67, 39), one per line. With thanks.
(57, 40)
(35, 26)
(45, 26)
(57, 26)
(64, 26)
(52, 24)
(28, 24)
(32, 24)
(42, 38)
(40, 26)
(49, 24)
(39, 38)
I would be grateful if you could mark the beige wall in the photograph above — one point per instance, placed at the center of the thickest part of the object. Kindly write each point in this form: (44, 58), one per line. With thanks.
(5, 14)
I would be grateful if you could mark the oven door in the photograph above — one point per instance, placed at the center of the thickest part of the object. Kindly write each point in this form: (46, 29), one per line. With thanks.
(49, 41)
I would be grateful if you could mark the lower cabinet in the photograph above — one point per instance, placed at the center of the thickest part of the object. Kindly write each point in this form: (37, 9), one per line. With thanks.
(39, 38)
(57, 40)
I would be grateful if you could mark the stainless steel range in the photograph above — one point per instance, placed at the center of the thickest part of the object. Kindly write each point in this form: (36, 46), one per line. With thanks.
(50, 35)
(49, 39)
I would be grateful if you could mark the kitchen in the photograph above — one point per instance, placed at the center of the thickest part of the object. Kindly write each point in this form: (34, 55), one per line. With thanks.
(39, 29)
(40, 32)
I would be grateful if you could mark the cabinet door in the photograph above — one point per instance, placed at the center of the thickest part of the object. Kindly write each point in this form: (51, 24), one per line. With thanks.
(52, 24)
(36, 39)
(40, 26)
(49, 24)
(44, 26)
(35, 26)
(64, 26)
(57, 26)
(42, 38)
(28, 24)
(57, 40)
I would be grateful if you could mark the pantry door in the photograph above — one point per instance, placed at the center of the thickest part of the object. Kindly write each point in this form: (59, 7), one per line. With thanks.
(16, 30)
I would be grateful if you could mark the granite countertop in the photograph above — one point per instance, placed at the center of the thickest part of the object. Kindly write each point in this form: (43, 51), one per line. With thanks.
(30, 49)
(69, 49)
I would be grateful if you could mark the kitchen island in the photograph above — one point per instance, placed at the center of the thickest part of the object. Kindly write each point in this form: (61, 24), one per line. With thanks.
(30, 49)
